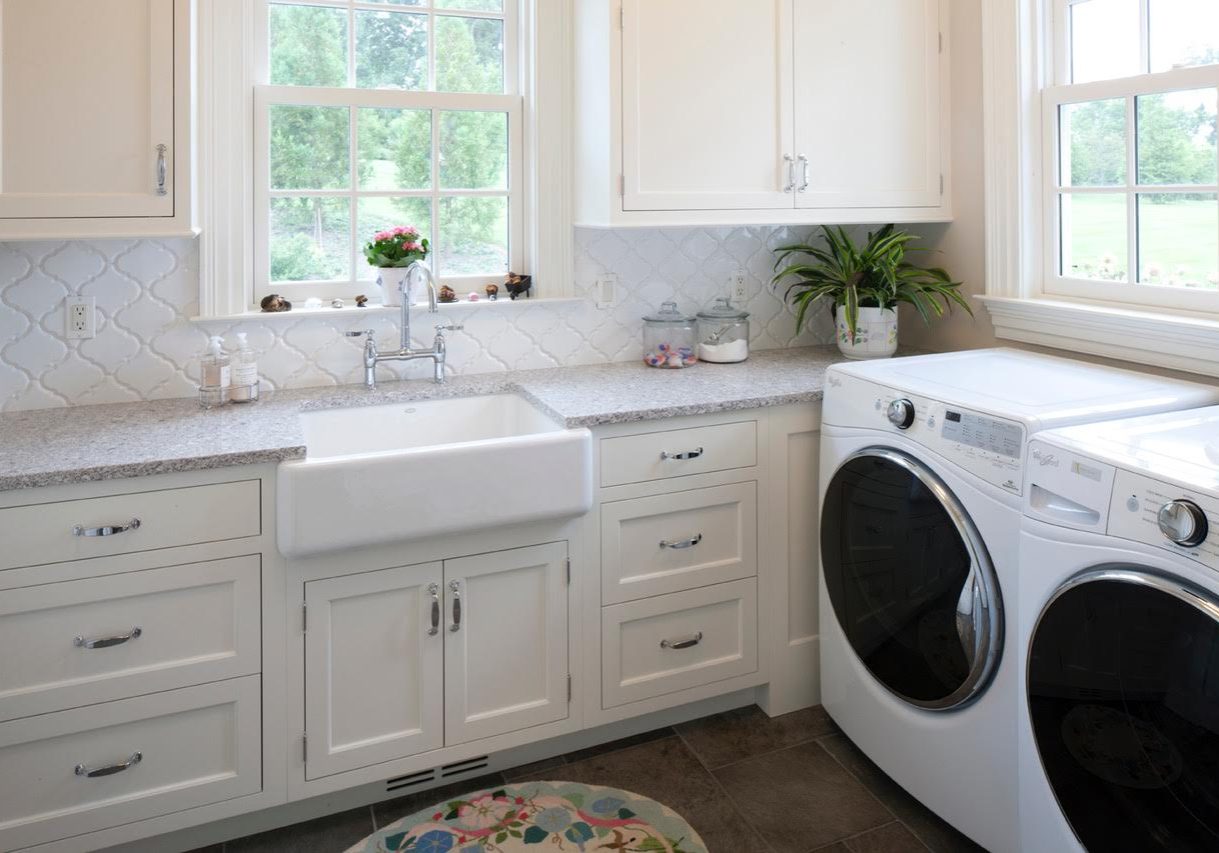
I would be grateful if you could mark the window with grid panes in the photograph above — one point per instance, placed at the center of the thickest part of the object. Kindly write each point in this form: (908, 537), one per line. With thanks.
(379, 113)
(1132, 163)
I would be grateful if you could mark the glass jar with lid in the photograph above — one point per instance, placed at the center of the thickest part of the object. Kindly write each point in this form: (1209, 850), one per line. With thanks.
(723, 333)
(670, 338)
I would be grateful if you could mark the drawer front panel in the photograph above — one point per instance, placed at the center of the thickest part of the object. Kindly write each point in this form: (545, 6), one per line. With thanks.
(675, 642)
(195, 746)
(678, 453)
(105, 638)
(669, 543)
(55, 532)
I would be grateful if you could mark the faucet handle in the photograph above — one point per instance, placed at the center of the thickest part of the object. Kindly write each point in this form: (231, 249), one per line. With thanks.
(366, 333)
(441, 328)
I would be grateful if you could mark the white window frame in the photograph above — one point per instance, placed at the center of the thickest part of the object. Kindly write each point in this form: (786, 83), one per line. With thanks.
(230, 39)
(1027, 299)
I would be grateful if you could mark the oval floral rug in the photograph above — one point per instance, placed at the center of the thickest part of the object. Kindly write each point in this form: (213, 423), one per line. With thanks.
(539, 816)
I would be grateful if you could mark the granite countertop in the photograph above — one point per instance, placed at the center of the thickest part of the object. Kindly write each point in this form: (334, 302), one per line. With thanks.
(55, 446)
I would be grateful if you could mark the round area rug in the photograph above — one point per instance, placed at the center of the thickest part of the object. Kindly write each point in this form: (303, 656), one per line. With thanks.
(563, 816)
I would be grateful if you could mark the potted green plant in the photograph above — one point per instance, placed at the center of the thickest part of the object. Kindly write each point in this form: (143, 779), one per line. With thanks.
(391, 252)
(864, 285)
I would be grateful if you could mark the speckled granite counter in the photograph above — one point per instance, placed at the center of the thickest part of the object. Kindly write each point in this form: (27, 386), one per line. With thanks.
(55, 446)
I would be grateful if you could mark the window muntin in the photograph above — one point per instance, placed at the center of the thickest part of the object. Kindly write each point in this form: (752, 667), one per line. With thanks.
(380, 114)
(1133, 193)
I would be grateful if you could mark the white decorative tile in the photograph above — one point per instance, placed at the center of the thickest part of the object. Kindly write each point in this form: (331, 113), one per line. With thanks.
(147, 290)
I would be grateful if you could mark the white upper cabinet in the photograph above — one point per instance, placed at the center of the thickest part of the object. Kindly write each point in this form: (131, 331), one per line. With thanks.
(94, 117)
(872, 137)
(690, 143)
(704, 112)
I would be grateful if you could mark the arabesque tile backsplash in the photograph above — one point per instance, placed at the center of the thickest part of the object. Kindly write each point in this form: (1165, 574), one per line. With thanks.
(146, 291)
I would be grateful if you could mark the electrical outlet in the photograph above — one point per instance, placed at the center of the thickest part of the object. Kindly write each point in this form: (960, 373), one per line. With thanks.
(80, 318)
(736, 284)
(605, 290)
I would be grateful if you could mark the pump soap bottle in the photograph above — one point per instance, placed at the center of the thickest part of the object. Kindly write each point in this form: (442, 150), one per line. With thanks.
(214, 375)
(245, 372)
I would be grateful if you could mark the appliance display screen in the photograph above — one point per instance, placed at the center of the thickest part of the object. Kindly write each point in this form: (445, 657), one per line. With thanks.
(1005, 439)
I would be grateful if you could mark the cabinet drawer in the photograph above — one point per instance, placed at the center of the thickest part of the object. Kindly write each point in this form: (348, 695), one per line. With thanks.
(105, 638)
(54, 532)
(196, 746)
(668, 543)
(678, 453)
(675, 642)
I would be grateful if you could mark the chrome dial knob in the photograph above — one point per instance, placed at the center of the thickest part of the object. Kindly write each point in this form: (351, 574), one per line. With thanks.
(1184, 523)
(901, 414)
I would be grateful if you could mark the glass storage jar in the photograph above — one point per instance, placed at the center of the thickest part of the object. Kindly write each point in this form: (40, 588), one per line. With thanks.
(723, 333)
(670, 338)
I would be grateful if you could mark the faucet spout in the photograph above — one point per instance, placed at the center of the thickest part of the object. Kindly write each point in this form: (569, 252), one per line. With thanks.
(417, 268)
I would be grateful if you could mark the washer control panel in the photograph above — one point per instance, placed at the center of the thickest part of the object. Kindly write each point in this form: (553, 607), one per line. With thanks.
(1165, 516)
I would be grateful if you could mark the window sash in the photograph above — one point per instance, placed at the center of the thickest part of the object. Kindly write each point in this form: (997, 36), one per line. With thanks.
(267, 96)
(1131, 292)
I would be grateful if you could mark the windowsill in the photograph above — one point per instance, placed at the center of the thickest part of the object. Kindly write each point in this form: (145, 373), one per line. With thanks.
(1169, 341)
(349, 312)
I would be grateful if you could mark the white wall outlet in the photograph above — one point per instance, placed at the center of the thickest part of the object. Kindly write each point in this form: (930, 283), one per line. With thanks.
(80, 318)
(605, 290)
(736, 285)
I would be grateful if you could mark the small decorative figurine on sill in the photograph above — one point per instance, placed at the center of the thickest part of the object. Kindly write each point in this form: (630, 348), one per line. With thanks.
(447, 294)
(492, 292)
(361, 301)
(518, 285)
(275, 303)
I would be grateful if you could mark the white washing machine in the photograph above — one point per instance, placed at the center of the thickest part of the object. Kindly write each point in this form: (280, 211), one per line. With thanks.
(1119, 637)
(923, 472)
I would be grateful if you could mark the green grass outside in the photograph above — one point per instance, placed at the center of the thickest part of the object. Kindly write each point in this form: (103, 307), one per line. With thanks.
(1179, 240)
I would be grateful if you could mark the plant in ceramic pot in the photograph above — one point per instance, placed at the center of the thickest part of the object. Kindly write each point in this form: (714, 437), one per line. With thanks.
(864, 284)
(391, 253)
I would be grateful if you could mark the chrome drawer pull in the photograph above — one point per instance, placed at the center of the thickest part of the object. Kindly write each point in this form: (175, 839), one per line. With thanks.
(82, 770)
(434, 591)
(162, 170)
(455, 588)
(682, 457)
(107, 642)
(111, 530)
(688, 643)
(682, 544)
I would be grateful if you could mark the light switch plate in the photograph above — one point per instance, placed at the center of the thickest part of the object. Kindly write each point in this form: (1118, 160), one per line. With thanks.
(605, 290)
(80, 318)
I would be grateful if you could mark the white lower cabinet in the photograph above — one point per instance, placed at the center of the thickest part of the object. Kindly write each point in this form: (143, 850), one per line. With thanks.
(406, 660)
(87, 769)
(374, 658)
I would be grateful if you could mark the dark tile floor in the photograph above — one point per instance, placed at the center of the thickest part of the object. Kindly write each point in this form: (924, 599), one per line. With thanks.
(747, 783)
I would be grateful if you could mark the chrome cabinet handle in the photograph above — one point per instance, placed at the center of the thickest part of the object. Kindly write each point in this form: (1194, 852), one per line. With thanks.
(805, 180)
(82, 770)
(162, 171)
(108, 530)
(434, 592)
(108, 642)
(686, 643)
(682, 457)
(791, 173)
(455, 588)
(681, 544)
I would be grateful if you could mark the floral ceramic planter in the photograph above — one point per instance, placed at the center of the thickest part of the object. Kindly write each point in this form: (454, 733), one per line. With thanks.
(875, 333)
(390, 279)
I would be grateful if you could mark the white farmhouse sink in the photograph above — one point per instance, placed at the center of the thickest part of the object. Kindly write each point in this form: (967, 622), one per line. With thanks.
(406, 471)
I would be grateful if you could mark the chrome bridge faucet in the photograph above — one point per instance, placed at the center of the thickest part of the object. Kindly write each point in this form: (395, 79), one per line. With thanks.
(437, 353)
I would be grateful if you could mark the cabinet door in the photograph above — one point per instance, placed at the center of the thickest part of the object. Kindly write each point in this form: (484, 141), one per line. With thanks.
(86, 101)
(373, 668)
(506, 650)
(868, 92)
(706, 104)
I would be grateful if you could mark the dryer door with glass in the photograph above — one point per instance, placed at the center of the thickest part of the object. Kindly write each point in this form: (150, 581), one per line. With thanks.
(910, 580)
(1123, 697)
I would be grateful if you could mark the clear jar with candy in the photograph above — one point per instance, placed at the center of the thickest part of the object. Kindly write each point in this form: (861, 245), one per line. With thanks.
(670, 338)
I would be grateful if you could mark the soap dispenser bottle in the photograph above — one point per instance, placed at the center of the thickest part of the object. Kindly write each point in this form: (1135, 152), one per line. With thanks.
(214, 375)
(245, 372)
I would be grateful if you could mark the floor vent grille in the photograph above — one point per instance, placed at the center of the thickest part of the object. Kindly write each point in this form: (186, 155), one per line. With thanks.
(414, 780)
(467, 766)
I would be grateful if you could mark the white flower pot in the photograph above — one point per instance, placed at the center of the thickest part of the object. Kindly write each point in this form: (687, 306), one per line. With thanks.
(390, 279)
(875, 333)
